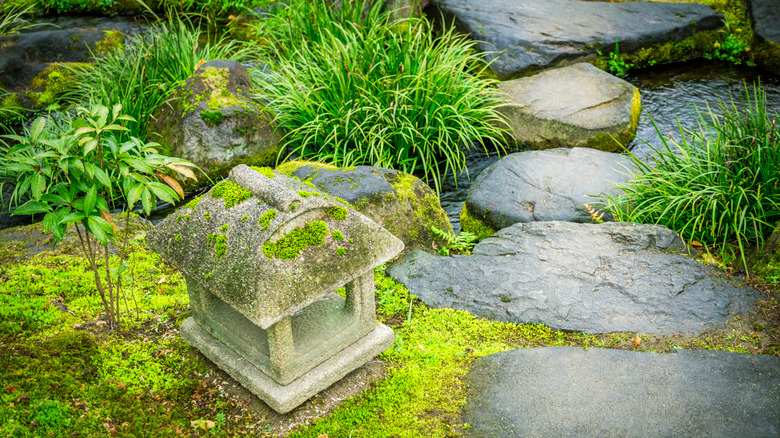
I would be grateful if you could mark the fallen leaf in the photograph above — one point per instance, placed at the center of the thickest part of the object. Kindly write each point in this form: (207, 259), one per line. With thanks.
(197, 66)
(696, 243)
(202, 424)
(100, 323)
(162, 280)
(323, 436)
(10, 388)
(637, 340)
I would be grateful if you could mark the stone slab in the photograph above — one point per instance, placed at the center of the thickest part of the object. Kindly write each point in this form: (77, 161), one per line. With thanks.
(593, 278)
(575, 106)
(284, 398)
(530, 35)
(766, 19)
(568, 392)
(546, 186)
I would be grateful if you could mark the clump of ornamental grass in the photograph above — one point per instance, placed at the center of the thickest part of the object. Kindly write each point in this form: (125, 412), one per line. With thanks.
(355, 88)
(717, 184)
(144, 73)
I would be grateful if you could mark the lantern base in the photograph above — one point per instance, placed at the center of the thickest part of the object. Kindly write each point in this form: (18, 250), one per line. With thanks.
(284, 398)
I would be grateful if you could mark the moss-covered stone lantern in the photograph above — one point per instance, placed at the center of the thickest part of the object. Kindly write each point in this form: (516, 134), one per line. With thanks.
(263, 256)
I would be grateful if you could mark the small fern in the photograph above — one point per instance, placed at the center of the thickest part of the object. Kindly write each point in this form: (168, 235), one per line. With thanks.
(456, 244)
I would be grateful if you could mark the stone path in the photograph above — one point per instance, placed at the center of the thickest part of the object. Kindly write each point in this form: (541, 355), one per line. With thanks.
(566, 391)
(536, 34)
(594, 278)
(549, 185)
(576, 106)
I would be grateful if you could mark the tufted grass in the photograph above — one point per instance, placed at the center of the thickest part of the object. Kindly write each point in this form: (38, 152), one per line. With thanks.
(353, 87)
(714, 185)
(143, 73)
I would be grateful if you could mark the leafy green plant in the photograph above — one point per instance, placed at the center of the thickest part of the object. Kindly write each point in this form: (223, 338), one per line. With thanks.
(616, 65)
(72, 176)
(456, 244)
(354, 88)
(144, 73)
(730, 49)
(716, 184)
(12, 20)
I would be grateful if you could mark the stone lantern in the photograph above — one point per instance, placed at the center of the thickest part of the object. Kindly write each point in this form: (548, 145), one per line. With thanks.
(281, 285)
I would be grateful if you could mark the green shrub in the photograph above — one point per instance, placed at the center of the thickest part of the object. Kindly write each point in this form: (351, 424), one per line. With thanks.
(355, 88)
(74, 173)
(716, 184)
(144, 73)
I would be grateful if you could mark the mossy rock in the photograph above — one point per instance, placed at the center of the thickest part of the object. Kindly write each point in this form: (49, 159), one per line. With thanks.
(400, 202)
(575, 106)
(46, 88)
(213, 122)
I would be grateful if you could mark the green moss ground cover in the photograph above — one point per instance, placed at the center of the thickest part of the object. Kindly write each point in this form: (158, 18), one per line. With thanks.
(64, 374)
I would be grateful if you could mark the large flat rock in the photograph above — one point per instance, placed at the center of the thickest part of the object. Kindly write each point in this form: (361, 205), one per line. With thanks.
(766, 19)
(576, 106)
(528, 35)
(566, 392)
(551, 185)
(593, 278)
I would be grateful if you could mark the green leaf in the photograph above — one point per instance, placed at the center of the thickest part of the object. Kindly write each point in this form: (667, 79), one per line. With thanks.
(146, 200)
(134, 194)
(72, 217)
(90, 146)
(84, 130)
(102, 176)
(97, 228)
(115, 110)
(37, 186)
(32, 207)
(90, 199)
(163, 192)
(37, 128)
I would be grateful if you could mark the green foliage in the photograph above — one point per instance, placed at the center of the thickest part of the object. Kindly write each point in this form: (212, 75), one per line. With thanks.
(715, 184)
(266, 218)
(74, 175)
(617, 65)
(300, 238)
(730, 49)
(265, 171)
(411, 105)
(12, 19)
(232, 193)
(337, 235)
(220, 244)
(457, 244)
(143, 74)
(337, 213)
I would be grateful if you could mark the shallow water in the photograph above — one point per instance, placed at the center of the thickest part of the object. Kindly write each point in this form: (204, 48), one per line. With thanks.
(668, 94)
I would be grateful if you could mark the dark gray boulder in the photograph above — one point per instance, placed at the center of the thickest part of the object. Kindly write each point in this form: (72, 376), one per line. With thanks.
(568, 391)
(401, 203)
(24, 56)
(593, 278)
(765, 15)
(212, 121)
(521, 37)
(550, 185)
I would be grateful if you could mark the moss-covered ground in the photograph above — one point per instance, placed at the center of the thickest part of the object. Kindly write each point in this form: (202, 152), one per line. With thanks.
(62, 373)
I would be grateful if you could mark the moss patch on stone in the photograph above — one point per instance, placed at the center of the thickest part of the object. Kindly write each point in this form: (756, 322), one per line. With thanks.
(220, 244)
(212, 118)
(474, 225)
(297, 240)
(266, 218)
(194, 202)
(337, 235)
(289, 167)
(265, 171)
(337, 213)
(232, 193)
(114, 40)
(53, 82)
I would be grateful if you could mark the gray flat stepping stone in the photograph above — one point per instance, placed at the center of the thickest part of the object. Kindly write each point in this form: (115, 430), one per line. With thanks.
(576, 106)
(528, 35)
(566, 391)
(593, 278)
(549, 185)
(766, 19)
